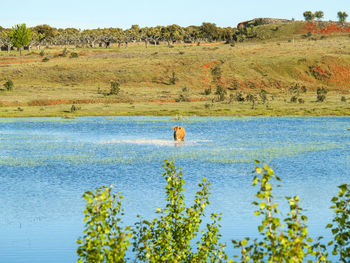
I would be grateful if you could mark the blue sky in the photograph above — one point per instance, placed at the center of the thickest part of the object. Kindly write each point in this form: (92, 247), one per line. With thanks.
(109, 13)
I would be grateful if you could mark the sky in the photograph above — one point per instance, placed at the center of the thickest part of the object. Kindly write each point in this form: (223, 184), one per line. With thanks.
(108, 13)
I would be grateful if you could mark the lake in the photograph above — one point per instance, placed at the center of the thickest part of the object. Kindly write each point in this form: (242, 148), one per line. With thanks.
(48, 163)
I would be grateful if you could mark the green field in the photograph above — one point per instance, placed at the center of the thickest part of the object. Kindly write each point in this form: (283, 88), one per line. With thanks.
(274, 65)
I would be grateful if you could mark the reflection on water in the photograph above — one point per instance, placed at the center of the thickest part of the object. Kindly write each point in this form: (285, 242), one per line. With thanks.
(47, 164)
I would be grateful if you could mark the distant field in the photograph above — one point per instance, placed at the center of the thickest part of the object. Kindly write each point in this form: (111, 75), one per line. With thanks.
(145, 76)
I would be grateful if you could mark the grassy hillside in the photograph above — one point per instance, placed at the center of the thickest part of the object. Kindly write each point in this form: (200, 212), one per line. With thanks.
(258, 76)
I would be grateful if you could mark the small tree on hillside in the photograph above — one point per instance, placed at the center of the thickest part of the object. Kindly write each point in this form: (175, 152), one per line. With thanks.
(20, 36)
(319, 15)
(309, 16)
(342, 16)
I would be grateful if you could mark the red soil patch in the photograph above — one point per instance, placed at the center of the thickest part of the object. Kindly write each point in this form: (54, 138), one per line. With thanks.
(332, 74)
(163, 101)
(19, 61)
(330, 29)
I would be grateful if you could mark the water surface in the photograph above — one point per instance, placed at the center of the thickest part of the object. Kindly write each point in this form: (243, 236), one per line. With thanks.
(46, 165)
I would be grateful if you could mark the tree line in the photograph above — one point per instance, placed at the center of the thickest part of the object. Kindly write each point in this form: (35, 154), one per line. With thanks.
(44, 35)
(310, 16)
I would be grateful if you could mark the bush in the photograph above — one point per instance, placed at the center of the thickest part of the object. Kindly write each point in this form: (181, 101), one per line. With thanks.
(216, 73)
(251, 98)
(104, 240)
(343, 99)
(321, 94)
(207, 105)
(293, 99)
(207, 91)
(74, 55)
(8, 85)
(182, 98)
(239, 97)
(74, 108)
(114, 90)
(221, 92)
(42, 53)
(301, 101)
(263, 96)
(278, 244)
(45, 59)
(167, 238)
(173, 79)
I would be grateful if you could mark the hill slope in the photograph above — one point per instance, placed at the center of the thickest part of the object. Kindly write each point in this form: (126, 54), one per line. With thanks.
(153, 79)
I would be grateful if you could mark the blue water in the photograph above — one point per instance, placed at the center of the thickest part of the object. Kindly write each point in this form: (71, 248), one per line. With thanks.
(46, 164)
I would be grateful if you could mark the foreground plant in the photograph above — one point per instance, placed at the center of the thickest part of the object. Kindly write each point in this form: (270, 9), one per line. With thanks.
(173, 236)
(104, 240)
(281, 242)
(170, 236)
(341, 223)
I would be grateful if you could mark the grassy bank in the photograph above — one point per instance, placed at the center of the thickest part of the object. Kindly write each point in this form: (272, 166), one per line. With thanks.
(173, 81)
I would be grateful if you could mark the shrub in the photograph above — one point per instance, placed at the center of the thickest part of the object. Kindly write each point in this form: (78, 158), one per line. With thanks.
(221, 92)
(104, 240)
(263, 96)
(239, 97)
(114, 90)
(207, 91)
(343, 99)
(170, 236)
(45, 59)
(42, 53)
(207, 105)
(183, 98)
(8, 85)
(321, 94)
(74, 55)
(293, 99)
(74, 108)
(173, 79)
(278, 244)
(301, 101)
(167, 238)
(251, 98)
(216, 73)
